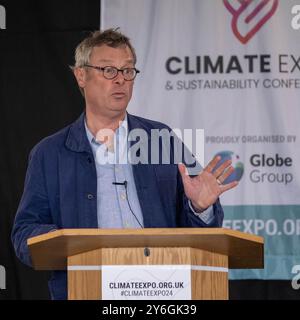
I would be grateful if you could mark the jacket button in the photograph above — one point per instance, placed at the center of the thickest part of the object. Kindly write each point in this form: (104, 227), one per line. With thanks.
(90, 196)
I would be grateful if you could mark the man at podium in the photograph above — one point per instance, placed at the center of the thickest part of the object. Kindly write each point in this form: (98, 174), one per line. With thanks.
(77, 179)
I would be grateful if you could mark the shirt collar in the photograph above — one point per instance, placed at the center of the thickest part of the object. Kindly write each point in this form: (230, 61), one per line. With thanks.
(121, 132)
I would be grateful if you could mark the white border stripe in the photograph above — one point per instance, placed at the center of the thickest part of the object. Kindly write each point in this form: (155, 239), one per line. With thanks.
(84, 268)
(181, 266)
(209, 268)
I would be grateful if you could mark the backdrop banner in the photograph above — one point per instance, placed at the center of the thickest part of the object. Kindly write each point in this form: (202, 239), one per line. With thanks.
(231, 68)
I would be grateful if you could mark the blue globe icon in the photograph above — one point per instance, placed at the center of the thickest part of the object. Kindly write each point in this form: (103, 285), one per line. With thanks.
(236, 163)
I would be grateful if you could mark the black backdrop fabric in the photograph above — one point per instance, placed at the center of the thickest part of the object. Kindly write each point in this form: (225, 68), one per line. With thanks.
(38, 96)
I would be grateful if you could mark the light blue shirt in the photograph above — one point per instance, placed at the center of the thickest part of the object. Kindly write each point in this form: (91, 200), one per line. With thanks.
(113, 202)
(117, 208)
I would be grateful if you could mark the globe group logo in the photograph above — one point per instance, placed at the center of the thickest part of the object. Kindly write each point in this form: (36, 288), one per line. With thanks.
(236, 163)
(248, 16)
(270, 168)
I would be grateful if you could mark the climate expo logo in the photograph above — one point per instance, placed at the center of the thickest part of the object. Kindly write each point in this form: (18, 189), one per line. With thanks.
(248, 16)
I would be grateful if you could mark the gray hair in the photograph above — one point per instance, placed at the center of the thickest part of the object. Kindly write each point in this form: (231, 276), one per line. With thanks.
(110, 37)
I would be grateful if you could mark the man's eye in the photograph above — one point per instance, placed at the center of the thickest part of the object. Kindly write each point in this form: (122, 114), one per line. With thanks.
(128, 71)
(110, 70)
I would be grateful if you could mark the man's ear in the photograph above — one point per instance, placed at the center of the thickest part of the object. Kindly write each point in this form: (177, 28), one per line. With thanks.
(80, 75)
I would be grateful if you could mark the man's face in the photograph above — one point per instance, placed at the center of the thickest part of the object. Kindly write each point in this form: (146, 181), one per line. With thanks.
(107, 97)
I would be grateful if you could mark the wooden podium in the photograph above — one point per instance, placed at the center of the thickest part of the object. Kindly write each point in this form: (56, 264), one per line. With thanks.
(208, 251)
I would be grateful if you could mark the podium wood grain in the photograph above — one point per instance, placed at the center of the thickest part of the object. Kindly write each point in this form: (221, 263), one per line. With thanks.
(86, 284)
(244, 250)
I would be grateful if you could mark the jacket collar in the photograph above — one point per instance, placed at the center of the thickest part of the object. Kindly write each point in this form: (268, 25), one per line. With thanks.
(135, 123)
(77, 140)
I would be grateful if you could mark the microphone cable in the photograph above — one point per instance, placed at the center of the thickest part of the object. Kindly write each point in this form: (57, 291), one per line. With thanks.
(125, 185)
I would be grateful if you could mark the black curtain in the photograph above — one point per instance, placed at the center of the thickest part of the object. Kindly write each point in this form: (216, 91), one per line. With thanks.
(38, 96)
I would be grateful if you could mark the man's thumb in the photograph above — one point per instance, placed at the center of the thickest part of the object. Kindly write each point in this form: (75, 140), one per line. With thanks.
(183, 171)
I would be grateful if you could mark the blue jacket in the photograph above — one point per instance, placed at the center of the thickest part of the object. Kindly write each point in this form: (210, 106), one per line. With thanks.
(61, 177)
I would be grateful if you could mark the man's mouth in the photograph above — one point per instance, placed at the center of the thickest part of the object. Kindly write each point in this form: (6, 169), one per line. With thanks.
(118, 95)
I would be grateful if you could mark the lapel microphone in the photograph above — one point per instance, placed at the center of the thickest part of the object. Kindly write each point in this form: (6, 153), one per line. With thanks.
(124, 183)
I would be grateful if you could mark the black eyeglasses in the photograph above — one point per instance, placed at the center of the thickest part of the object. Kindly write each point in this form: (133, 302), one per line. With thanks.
(112, 72)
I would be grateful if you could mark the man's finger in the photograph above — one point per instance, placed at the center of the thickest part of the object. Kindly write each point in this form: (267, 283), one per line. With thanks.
(183, 172)
(212, 164)
(220, 171)
(225, 175)
(228, 186)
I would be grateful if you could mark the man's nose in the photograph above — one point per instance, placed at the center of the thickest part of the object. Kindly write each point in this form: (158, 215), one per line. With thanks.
(119, 78)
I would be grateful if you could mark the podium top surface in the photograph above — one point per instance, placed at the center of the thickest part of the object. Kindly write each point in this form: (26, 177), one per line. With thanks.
(50, 251)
